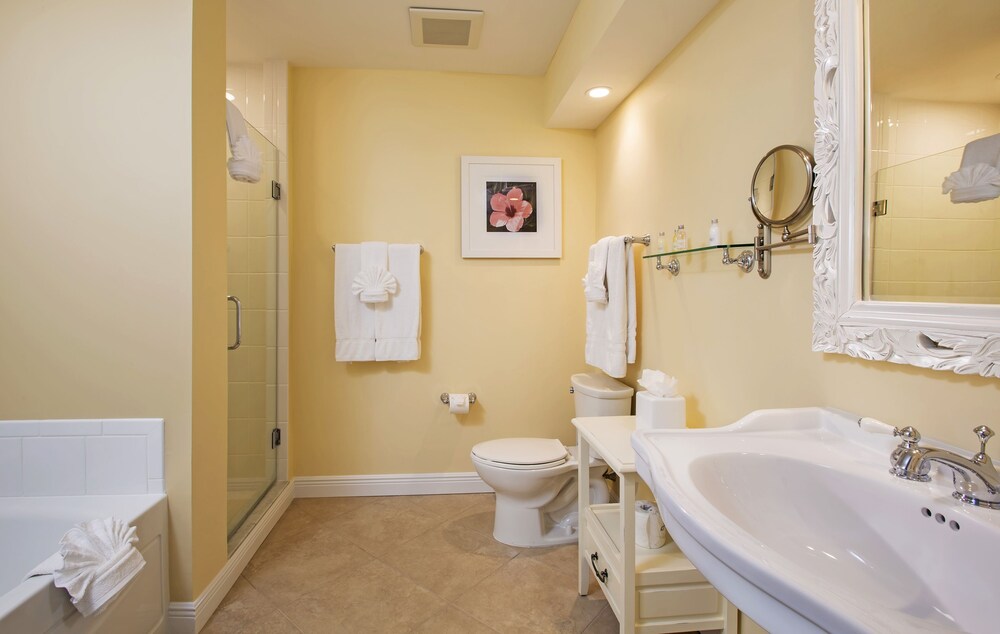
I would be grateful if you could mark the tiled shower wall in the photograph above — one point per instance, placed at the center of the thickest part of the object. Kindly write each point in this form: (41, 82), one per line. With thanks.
(261, 92)
(928, 248)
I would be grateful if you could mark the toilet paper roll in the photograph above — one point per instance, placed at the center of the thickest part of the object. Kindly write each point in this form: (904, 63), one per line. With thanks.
(458, 403)
(649, 529)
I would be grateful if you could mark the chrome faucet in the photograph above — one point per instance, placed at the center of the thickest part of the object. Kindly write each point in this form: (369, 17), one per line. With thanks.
(976, 480)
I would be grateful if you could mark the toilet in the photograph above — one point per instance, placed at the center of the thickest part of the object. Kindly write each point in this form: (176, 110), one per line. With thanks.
(535, 478)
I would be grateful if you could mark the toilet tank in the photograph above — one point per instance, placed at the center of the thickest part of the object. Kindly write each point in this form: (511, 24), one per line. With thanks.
(600, 395)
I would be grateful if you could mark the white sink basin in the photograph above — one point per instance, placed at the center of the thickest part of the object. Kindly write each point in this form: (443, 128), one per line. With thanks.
(793, 515)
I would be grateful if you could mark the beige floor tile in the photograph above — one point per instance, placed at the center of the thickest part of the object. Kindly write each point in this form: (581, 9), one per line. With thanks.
(478, 517)
(246, 610)
(294, 521)
(325, 509)
(449, 505)
(383, 524)
(453, 621)
(528, 596)
(559, 557)
(374, 598)
(605, 623)
(450, 559)
(287, 570)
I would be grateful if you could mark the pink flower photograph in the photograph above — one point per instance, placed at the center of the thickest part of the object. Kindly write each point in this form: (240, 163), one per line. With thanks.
(510, 207)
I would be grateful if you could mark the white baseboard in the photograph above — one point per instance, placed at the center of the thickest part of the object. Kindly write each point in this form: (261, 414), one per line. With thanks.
(389, 484)
(188, 617)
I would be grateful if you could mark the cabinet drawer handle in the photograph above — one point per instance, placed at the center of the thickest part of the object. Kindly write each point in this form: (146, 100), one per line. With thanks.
(602, 575)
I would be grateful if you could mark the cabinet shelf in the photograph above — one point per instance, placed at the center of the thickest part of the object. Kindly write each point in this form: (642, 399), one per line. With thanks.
(734, 245)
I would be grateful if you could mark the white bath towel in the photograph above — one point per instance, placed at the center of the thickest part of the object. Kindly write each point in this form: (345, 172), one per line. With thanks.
(96, 561)
(245, 165)
(611, 327)
(978, 178)
(354, 322)
(595, 287)
(397, 322)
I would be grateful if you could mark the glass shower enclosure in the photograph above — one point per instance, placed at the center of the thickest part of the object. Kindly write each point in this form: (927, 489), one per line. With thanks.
(252, 219)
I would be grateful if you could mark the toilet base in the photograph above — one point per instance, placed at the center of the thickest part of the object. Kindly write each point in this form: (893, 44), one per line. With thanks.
(554, 525)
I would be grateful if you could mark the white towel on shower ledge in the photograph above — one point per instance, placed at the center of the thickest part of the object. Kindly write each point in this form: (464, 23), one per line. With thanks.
(97, 559)
(245, 165)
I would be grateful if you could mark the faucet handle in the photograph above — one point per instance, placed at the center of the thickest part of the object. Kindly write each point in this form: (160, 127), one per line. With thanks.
(909, 435)
(983, 433)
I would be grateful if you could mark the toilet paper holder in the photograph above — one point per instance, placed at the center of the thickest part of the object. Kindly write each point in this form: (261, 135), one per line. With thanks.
(444, 398)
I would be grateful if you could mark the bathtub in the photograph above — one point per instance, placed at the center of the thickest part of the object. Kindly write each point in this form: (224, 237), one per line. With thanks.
(30, 529)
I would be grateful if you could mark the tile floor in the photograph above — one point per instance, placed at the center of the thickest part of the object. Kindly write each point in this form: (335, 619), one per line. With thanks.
(406, 564)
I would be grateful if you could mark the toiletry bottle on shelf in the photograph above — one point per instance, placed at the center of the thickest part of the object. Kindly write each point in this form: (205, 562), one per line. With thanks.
(714, 238)
(661, 242)
(680, 238)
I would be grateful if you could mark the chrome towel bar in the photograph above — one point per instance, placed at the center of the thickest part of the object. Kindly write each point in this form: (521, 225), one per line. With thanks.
(334, 248)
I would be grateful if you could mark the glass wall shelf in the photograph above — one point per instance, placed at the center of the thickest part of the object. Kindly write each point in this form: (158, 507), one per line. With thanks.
(697, 249)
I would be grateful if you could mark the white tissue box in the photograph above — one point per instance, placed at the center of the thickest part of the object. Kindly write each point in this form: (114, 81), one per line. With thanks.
(659, 412)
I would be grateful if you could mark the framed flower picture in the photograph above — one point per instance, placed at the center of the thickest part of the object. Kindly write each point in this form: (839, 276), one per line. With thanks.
(511, 207)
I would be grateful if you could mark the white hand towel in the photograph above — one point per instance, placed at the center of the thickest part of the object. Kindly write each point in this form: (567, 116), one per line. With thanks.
(354, 322)
(978, 178)
(594, 282)
(245, 165)
(96, 561)
(397, 322)
(373, 283)
(610, 342)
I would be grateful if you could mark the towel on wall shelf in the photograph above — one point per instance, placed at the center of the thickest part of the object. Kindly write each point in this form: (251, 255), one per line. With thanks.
(978, 178)
(245, 165)
(611, 327)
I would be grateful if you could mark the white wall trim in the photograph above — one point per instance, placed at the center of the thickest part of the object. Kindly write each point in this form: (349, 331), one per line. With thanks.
(188, 617)
(389, 484)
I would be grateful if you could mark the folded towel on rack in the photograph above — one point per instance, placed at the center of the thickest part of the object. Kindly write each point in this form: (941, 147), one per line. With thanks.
(354, 322)
(374, 283)
(245, 165)
(397, 322)
(594, 282)
(978, 178)
(97, 559)
(611, 327)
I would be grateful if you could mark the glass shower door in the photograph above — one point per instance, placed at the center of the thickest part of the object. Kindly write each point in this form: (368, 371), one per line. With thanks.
(252, 216)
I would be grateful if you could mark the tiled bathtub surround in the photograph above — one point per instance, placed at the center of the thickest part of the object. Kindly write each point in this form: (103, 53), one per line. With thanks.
(81, 457)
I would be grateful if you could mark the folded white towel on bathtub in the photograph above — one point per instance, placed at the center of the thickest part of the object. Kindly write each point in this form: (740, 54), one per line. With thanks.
(96, 561)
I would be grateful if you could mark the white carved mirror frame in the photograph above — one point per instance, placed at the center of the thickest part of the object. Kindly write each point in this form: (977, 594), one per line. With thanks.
(961, 338)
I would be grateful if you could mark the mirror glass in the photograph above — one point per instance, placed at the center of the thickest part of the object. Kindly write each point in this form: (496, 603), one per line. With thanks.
(782, 185)
(932, 226)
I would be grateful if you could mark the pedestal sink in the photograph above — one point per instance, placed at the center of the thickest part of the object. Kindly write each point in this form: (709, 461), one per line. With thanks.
(794, 516)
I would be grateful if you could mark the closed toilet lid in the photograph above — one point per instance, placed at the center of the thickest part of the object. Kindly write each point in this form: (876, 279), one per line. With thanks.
(523, 452)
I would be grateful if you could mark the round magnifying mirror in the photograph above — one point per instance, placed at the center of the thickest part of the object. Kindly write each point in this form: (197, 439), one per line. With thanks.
(781, 190)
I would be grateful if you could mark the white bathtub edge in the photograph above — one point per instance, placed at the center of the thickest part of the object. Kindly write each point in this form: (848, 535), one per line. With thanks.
(188, 617)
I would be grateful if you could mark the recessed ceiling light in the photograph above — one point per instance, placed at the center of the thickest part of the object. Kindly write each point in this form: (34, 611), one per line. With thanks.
(230, 96)
(598, 92)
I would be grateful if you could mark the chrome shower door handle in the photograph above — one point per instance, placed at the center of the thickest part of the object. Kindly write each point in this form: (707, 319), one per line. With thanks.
(239, 321)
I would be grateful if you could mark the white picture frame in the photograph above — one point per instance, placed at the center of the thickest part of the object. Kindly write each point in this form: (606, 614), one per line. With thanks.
(962, 338)
(534, 231)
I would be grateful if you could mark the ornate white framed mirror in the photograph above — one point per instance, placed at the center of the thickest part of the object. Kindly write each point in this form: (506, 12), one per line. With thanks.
(851, 313)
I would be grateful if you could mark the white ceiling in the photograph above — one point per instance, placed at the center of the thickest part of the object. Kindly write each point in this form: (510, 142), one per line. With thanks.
(935, 50)
(519, 36)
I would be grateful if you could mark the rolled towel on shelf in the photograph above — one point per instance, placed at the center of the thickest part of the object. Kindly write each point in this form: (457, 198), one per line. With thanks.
(978, 178)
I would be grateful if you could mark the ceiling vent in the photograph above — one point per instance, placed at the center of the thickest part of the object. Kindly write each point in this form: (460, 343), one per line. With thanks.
(452, 28)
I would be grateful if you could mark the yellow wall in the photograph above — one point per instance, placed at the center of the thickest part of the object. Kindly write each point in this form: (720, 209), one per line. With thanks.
(96, 228)
(210, 334)
(375, 155)
(683, 148)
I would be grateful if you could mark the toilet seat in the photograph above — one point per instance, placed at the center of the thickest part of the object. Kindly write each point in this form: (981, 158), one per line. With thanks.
(522, 453)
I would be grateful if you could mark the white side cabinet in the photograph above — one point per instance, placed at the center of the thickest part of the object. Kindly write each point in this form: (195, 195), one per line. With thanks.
(650, 590)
